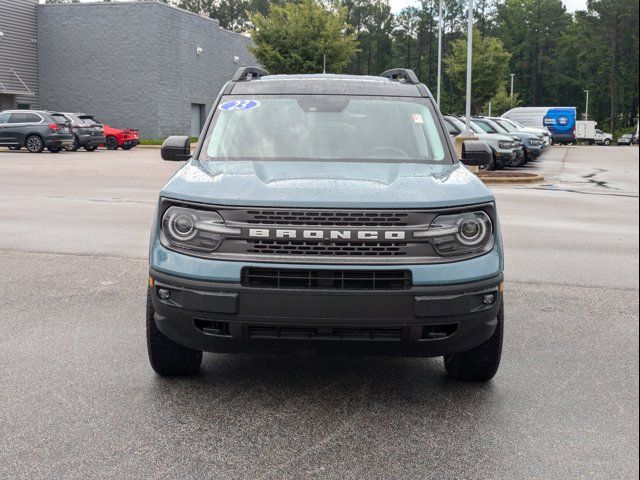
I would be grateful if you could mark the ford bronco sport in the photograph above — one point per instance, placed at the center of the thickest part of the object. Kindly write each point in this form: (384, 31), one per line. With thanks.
(326, 214)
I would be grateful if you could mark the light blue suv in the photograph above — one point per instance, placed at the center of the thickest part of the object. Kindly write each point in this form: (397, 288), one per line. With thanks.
(326, 214)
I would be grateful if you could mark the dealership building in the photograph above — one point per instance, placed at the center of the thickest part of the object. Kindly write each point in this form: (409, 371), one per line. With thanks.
(144, 65)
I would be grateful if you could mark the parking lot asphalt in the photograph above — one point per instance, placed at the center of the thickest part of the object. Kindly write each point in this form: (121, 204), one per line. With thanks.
(78, 399)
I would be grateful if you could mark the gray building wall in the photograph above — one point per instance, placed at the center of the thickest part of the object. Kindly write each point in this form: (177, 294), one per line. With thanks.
(18, 53)
(134, 64)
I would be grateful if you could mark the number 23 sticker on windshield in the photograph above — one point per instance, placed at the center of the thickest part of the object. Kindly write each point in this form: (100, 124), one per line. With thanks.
(240, 105)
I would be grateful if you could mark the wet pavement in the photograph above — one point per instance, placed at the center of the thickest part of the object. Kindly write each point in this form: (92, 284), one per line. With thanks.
(78, 399)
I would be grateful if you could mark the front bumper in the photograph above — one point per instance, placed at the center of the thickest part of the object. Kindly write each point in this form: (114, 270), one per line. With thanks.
(420, 321)
(505, 157)
(533, 151)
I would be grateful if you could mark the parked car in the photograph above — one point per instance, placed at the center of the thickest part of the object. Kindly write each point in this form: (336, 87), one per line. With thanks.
(602, 138)
(531, 143)
(505, 151)
(126, 138)
(542, 132)
(35, 130)
(365, 235)
(87, 133)
(626, 139)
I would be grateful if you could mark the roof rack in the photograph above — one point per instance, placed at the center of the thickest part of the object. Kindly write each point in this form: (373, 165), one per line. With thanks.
(402, 75)
(244, 74)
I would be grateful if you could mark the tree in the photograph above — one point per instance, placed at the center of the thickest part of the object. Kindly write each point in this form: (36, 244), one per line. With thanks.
(502, 101)
(293, 38)
(490, 68)
(532, 31)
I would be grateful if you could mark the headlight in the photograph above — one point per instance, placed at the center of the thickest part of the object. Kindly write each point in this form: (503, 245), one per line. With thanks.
(505, 144)
(197, 230)
(459, 233)
(535, 142)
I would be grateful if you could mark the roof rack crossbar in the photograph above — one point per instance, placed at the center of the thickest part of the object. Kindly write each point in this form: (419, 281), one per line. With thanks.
(403, 75)
(244, 74)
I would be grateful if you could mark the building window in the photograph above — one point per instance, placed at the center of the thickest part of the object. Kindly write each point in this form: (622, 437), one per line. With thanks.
(197, 119)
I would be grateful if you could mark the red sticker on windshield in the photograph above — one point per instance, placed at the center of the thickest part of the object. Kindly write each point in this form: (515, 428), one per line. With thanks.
(417, 118)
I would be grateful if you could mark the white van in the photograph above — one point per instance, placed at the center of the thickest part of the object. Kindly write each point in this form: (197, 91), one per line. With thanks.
(560, 121)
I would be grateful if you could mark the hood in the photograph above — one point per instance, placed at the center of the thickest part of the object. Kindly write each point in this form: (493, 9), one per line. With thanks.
(326, 184)
(497, 137)
(522, 135)
(536, 130)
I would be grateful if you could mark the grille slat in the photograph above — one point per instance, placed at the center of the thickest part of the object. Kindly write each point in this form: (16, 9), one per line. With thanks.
(299, 247)
(326, 279)
(327, 218)
(332, 333)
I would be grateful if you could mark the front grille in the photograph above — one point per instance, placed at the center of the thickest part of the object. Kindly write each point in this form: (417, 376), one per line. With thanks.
(327, 333)
(326, 279)
(340, 249)
(327, 218)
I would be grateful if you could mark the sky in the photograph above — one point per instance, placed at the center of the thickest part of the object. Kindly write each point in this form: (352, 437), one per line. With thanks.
(572, 5)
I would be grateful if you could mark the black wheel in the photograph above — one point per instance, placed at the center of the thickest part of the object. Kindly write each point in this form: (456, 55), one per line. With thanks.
(607, 142)
(492, 165)
(75, 146)
(168, 358)
(34, 144)
(54, 149)
(15, 148)
(481, 363)
(111, 143)
(90, 148)
(520, 162)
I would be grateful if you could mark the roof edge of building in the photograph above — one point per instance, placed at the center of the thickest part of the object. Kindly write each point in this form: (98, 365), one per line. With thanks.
(140, 2)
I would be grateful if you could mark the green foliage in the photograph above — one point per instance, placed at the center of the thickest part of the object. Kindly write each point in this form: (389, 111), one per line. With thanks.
(502, 101)
(490, 68)
(555, 55)
(295, 37)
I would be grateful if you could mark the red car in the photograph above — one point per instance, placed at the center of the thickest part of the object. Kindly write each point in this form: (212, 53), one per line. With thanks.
(126, 138)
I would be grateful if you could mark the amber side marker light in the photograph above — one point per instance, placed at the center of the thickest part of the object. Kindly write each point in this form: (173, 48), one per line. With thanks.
(151, 282)
(501, 287)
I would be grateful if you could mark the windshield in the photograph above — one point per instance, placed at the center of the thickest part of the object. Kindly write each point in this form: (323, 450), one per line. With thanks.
(507, 126)
(460, 125)
(324, 128)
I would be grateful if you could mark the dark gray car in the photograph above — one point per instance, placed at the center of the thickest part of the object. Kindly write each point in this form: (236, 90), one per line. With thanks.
(35, 130)
(87, 133)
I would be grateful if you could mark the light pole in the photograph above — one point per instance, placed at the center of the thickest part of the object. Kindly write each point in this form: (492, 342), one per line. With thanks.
(512, 75)
(586, 108)
(439, 52)
(469, 57)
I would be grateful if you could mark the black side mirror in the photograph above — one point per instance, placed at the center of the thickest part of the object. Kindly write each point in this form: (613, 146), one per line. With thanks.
(176, 148)
(476, 154)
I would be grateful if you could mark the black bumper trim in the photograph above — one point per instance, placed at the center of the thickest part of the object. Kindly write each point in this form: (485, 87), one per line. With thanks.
(231, 314)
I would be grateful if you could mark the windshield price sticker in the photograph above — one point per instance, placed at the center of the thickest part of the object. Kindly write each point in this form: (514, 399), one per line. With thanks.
(239, 105)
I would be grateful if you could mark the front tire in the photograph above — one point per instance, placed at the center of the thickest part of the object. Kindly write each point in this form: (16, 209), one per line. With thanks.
(111, 143)
(607, 142)
(34, 144)
(167, 357)
(90, 148)
(481, 363)
(15, 148)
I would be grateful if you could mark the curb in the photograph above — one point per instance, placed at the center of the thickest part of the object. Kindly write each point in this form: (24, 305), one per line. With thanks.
(193, 146)
(512, 180)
